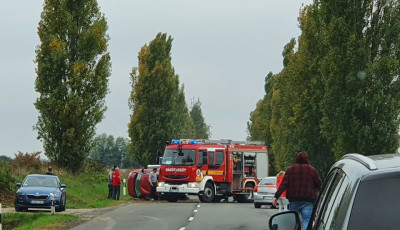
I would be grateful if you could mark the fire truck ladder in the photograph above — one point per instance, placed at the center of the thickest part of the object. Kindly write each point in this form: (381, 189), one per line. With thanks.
(226, 141)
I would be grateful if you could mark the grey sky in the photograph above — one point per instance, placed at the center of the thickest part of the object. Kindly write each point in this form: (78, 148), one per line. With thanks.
(222, 51)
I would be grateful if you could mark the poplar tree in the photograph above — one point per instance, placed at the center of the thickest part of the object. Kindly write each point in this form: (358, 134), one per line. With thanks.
(158, 104)
(202, 129)
(339, 89)
(360, 74)
(73, 67)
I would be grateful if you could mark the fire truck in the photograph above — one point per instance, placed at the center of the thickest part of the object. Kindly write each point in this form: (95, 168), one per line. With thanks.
(212, 169)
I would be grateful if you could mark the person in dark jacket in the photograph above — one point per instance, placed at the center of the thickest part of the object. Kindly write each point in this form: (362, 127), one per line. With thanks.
(153, 183)
(301, 183)
(49, 171)
(110, 183)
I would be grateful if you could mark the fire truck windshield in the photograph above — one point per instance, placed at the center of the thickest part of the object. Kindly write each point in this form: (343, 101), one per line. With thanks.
(172, 157)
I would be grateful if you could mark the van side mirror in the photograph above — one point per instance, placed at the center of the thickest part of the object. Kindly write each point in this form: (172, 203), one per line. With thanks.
(285, 220)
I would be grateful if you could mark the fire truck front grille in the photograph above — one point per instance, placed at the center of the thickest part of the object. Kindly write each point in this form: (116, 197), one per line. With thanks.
(176, 177)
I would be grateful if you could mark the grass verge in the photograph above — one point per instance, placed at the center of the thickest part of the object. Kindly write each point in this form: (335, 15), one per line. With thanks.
(35, 221)
(88, 191)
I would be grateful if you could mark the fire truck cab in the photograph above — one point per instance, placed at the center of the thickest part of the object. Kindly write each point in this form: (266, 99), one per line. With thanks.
(212, 169)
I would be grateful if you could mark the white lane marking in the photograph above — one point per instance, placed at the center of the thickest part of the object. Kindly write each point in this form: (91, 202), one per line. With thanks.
(183, 228)
(191, 218)
(198, 206)
(195, 210)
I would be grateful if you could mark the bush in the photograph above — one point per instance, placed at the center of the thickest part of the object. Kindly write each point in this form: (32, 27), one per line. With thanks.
(27, 163)
(6, 178)
(94, 171)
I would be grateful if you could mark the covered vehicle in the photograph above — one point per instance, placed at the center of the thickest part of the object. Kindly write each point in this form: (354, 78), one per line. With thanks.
(264, 192)
(35, 190)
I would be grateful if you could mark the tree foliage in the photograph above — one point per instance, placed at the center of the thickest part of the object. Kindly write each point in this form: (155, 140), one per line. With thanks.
(111, 151)
(338, 91)
(202, 129)
(5, 158)
(73, 67)
(159, 108)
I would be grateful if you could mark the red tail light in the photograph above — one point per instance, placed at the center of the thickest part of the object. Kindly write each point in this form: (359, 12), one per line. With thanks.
(256, 189)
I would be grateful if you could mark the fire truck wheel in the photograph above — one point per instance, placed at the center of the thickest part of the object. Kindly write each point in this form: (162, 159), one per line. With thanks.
(172, 198)
(217, 199)
(240, 198)
(209, 193)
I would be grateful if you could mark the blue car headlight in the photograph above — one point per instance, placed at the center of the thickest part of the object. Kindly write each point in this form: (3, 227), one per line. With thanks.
(21, 194)
(57, 195)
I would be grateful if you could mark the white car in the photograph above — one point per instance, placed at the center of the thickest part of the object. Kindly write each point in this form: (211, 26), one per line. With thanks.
(264, 192)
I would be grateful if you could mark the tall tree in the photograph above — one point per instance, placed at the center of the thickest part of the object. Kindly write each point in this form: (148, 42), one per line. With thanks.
(111, 151)
(202, 129)
(159, 109)
(338, 91)
(73, 67)
(187, 129)
(259, 126)
(360, 72)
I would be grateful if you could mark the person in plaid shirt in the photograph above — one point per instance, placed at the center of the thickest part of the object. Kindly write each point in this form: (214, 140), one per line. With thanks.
(301, 183)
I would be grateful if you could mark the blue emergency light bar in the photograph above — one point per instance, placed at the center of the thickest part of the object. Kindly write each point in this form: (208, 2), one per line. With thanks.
(185, 141)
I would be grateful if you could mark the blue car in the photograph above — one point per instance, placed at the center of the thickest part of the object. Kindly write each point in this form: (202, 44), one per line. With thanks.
(35, 190)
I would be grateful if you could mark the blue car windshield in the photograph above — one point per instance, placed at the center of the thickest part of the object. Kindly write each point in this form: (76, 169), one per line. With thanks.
(40, 181)
(173, 157)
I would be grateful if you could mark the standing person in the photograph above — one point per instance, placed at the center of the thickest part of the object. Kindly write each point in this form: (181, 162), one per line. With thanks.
(110, 183)
(116, 178)
(49, 171)
(301, 182)
(153, 183)
(282, 201)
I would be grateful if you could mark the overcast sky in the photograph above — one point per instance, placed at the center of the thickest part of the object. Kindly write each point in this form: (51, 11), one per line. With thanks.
(222, 50)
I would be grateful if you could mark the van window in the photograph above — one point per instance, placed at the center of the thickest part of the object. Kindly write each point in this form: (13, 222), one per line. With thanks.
(322, 199)
(337, 205)
(375, 205)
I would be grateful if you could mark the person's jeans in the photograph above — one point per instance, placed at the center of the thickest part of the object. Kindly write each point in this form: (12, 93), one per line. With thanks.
(153, 191)
(304, 208)
(110, 191)
(117, 191)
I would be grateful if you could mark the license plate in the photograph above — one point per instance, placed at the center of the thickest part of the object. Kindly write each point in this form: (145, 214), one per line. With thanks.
(265, 197)
(173, 189)
(37, 202)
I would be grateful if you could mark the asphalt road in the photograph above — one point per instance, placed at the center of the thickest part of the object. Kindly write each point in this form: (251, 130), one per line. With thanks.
(187, 215)
(161, 215)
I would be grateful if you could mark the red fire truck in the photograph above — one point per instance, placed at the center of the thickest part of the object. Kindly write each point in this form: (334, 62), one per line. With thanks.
(212, 169)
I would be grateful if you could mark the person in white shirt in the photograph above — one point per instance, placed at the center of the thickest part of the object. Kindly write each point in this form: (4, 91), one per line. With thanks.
(153, 183)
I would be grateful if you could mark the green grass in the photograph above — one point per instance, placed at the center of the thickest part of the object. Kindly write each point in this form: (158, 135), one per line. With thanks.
(88, 192)
(33, 221)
